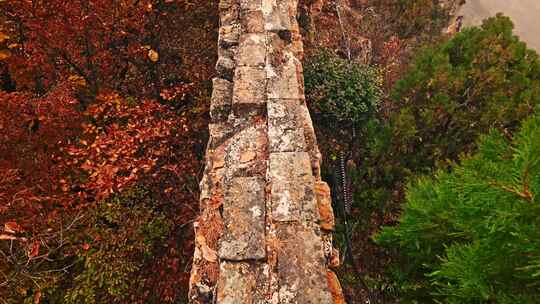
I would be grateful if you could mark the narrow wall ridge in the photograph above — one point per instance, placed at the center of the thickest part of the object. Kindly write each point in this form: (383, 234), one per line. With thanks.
(264, 231)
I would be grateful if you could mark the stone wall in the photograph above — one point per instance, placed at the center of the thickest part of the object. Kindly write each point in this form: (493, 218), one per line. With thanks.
(264, 232)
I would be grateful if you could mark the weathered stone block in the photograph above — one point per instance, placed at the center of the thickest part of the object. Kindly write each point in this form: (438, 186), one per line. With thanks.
(228, 12)
(324, 203)
(282, 45)
(285, 75)
(301, 270)
(291, 186)
(285, 126)
(221, 101)
(250, 5)
(252, 22)
(247, 151)
(244, 218)
(218, 131)
(280, 15)
(285, 83)
(249, 88)
(229, 35)
(252, 50)
(242, 283)
(225, 67)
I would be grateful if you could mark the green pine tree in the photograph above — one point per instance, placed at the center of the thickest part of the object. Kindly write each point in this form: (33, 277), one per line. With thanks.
(472, 235)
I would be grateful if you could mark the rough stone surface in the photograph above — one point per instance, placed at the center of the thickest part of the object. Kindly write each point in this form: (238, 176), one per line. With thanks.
(221, 99)
(242, 283)
(228, 12)
(285, 134)
(247, 151)
(291, 185)
(324, 203)
(280, 15)
(252, 50)
(249, 86)
(264, 231)
(284, 81)
(229, 35)
(301, 270)
(252, 22)
(244, 216)
(250, 5)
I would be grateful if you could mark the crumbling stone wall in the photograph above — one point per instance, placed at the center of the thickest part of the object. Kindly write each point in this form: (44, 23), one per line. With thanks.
(264, 232)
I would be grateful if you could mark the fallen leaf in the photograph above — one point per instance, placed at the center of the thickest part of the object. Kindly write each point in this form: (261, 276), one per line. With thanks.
(34, 250)
(37, 297)
(12, 227)
(153, 55)
(3, 37)
(7, 237)
(208, 253)
(4, 54)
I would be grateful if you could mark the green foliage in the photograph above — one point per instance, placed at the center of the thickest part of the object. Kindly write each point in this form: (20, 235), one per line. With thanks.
(482, 78)
(454, 92)
(473, 235)
(123, 235)
(341, 91)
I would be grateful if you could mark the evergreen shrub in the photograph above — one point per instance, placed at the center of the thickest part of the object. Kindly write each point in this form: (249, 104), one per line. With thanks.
(472, 235)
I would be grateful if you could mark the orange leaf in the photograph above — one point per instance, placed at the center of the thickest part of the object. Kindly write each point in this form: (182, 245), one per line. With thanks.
(34, 251)
(153, 55)
(12, 227)
(37, 297)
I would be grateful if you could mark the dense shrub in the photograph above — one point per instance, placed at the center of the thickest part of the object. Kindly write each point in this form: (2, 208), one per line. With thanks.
(130, 231)
(472, 235)
(454, 92)
(482, 78)
(341, 91)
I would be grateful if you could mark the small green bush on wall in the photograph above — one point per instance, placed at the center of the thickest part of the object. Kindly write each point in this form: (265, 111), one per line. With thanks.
(472, 236)
(340, 91)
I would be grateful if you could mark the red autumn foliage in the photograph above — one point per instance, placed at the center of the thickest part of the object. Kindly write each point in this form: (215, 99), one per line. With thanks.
(139, 48)
(98, 98)
(32, 132)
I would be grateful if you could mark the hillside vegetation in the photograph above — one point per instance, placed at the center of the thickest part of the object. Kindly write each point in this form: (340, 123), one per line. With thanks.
(104, 111)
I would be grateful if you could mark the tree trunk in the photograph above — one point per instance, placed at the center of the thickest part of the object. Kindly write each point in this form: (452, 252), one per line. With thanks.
(264, 232)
